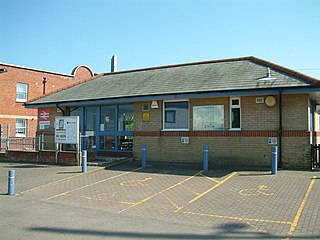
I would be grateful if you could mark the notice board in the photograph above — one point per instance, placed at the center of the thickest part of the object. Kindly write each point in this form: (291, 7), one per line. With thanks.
(67, 130)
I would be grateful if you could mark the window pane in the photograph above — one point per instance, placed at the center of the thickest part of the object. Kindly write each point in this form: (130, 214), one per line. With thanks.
(176, 115)
(107, 118)
(235, 115)
(125, 118)
(125, 143)
(90, 142)
(107, 143)
(91, 118)
(235, 102)
(75, 112)
(20, 123)
(21, 95)
(21, 87)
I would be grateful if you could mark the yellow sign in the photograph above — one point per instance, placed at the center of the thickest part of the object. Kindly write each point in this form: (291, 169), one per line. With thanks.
(146, 117)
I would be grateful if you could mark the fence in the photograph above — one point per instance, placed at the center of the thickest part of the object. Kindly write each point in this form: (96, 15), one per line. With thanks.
(40, 142)
(13, 139)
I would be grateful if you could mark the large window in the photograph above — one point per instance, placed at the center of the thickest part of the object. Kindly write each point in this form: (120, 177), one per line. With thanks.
(207, 118)
(22, 92)
(235, 114)
(176, 115)
(21, 127)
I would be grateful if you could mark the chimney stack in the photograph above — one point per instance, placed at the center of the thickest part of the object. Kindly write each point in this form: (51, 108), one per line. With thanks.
(114, 63)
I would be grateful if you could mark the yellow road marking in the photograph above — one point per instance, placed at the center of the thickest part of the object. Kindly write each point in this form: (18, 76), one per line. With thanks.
(302, 205)
(158, 193)
(89, 185)
(190, 190)
(61, 180)
(129, 203)
(206, 192)
(210, 178)
(171, 202)
(209, 190)
(239, 218)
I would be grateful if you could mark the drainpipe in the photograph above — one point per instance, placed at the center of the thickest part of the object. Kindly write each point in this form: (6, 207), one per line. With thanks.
(63, 112)
(44, 85)
(280, 130)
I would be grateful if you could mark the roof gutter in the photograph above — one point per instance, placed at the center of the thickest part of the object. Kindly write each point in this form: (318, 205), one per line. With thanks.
(226, 93)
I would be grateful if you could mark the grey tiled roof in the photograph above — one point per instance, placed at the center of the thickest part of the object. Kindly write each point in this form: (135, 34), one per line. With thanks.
(220, 75)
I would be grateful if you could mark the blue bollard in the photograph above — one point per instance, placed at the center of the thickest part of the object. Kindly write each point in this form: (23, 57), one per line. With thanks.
(11, 182)
(274, 165)
(205, 157)
(144, 155)
(84, 161)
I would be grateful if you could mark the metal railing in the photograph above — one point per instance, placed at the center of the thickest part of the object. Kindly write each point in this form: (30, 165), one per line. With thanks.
(9, 139)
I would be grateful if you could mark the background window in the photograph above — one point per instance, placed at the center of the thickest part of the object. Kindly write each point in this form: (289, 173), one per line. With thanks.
(22, 92)
(21, 127)
(176, 115)
(235, 113)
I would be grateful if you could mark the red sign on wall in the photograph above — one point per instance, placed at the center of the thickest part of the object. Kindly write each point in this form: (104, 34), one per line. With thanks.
(44, 118)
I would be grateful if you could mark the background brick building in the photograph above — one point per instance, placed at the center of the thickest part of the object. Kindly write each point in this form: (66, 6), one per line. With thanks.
(21, 84)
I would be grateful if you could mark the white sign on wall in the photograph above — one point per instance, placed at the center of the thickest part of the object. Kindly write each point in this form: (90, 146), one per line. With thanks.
(67, 130)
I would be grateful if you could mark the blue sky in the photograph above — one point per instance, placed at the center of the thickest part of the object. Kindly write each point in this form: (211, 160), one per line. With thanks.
(57, 35)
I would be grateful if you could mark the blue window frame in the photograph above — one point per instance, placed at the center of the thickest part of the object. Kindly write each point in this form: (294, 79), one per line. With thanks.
(106, 128)
(116, 127)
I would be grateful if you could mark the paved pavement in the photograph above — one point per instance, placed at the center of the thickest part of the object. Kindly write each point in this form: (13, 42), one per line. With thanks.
(158, 202)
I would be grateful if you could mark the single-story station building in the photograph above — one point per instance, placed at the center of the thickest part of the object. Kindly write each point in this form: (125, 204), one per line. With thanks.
(240, 107)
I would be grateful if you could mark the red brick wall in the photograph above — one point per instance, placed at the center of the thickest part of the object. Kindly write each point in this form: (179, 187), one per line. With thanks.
(10, 109)
(64, 158)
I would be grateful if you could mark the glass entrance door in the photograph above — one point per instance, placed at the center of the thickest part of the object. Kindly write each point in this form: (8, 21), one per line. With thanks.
(90, 127)
(116, 128)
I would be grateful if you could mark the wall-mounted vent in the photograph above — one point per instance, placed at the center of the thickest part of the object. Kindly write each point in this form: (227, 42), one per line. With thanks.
(184, 140)
(272, 140)
(259, 100)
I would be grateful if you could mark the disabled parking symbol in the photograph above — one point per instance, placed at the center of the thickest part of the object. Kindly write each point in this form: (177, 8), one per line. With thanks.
(136, 183)
(260, 190)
